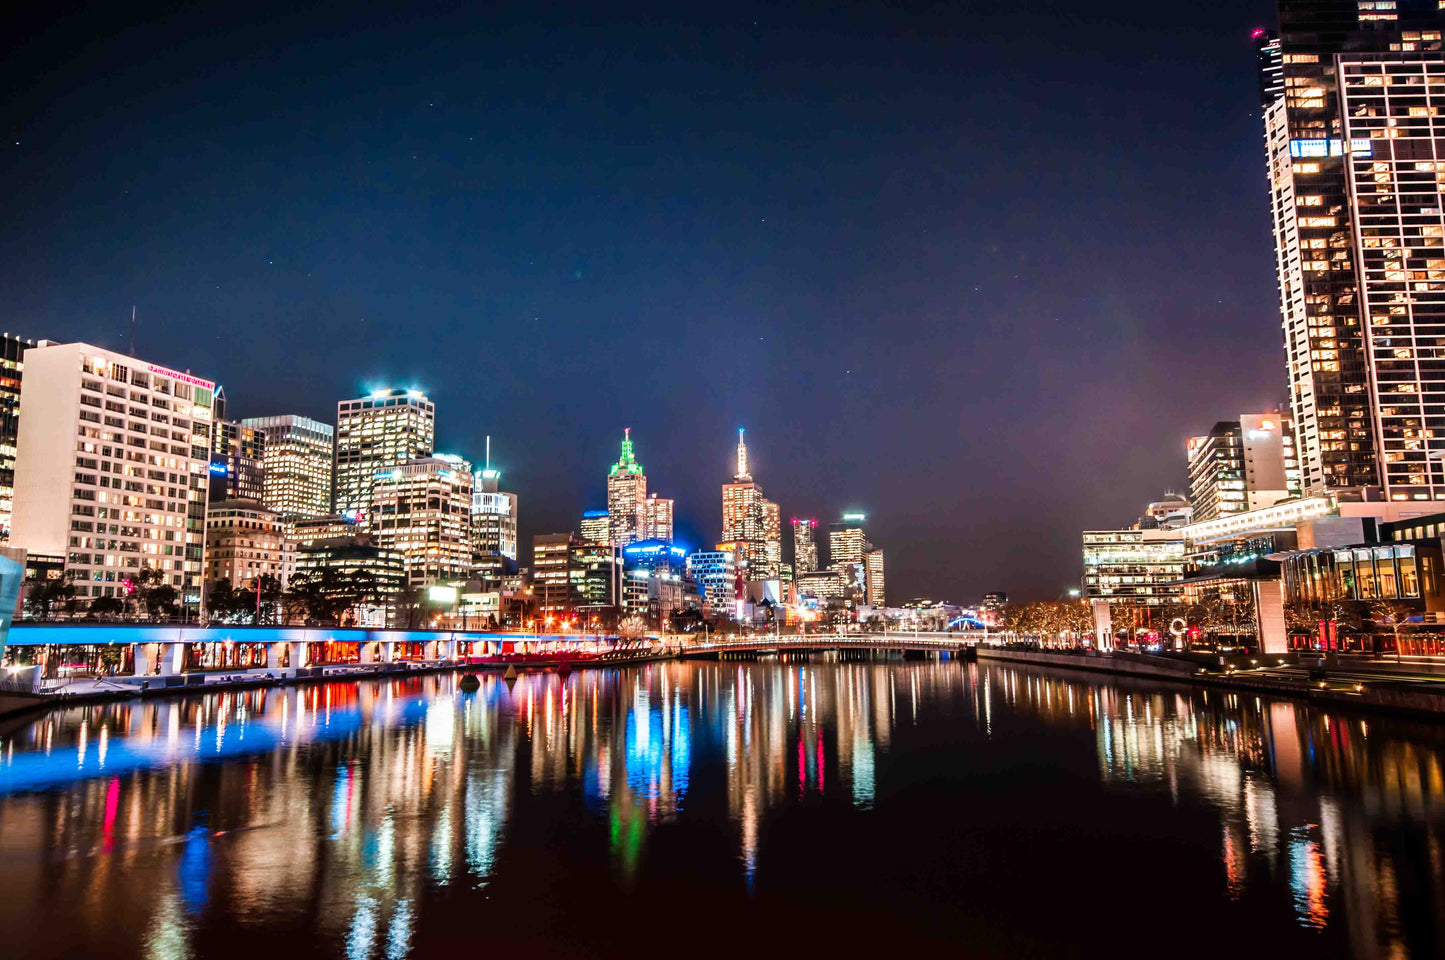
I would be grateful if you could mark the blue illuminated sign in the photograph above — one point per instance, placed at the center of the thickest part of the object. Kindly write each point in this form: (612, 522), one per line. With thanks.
(218, 468)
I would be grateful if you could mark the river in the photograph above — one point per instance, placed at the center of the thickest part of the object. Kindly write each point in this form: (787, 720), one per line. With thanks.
(705, 808)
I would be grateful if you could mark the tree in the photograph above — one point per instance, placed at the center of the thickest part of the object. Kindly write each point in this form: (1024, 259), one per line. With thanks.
(105, 608)
(160, 601)
(270, 591)
(410, 606)
(43, 597)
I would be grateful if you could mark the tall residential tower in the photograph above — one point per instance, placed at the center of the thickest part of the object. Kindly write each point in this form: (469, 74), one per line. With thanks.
(1349, 91)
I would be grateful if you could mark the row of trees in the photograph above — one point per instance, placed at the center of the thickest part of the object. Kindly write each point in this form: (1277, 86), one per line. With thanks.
(1212, 617)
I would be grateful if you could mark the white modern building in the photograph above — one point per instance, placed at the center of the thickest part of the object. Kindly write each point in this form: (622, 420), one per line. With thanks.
(112, 467)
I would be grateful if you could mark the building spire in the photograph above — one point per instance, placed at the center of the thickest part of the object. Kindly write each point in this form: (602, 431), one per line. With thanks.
(627, 463)
(742, 456)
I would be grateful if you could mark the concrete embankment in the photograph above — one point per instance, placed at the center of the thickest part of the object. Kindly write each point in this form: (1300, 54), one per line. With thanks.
(1384, 692)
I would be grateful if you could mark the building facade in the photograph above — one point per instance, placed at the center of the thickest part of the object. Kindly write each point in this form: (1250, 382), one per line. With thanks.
(1330, 132)
(373, 434)
(873, 591)
(1241, 465)
(751, 520)
(113, 456)
(494, 526)
(423, 509)
(237, 462)
(658, 514)
(246, 541)
(715, 573)
(626, 497)
(805, 546)
(594, 526)
(12, 370)
(296, 465)
(1136, 567)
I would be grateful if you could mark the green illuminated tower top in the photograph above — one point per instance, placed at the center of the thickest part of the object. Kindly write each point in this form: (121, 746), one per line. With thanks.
(627, 463)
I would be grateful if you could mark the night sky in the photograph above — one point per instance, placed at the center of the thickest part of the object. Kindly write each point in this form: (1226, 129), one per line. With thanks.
(975, 269)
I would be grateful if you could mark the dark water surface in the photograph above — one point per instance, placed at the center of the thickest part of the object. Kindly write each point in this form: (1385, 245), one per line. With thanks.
(707, 809)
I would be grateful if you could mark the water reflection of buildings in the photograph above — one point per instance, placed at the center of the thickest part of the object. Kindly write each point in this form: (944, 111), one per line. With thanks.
(348, 799)
(345, 803)
(1316, 800)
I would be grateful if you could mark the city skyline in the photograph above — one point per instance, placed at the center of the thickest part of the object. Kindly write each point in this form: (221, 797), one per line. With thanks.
(415, 227)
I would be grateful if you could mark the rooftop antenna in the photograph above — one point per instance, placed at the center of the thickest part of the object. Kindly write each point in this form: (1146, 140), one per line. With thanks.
(489, 451)
(132, 330)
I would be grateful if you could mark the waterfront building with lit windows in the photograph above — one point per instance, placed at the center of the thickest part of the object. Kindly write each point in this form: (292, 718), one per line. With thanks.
(873, 578)
(237, 460)
(823, 584)
(571, 574)
(1348, 90)
(1133, 566)
(12, 369)
(715, 573)
(112, 467)
(494, 526)
(751, 521)
(296, 465)
(654, 579)
(594, 526)
(805, 546)
(373, 434)
(244, 541)
(626, 497)
(1241, 465)
(423, 508)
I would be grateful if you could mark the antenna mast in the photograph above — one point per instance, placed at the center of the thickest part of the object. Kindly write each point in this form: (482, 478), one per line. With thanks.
(132, 330)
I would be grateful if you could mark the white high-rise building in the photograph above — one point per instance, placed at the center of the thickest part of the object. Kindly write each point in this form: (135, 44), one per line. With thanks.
(112, 467)
(374, 433)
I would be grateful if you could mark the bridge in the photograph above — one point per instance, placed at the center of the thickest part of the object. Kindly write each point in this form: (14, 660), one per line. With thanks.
(954, 642)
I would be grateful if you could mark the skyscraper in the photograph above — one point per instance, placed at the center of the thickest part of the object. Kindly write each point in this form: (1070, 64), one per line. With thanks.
(423, 508)
(873, 577)
(626, 497)
(847, 547)
(805, 548)
(374, 433)
(1348, 90)
(751, 521)
(494, 524)
(12, 367)
(658, 514)
(111, 467)
(296, 466)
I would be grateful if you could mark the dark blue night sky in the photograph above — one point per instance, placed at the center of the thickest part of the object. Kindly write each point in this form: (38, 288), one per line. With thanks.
(975, 269)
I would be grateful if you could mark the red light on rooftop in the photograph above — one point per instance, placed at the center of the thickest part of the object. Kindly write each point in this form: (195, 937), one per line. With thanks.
(1257, 33)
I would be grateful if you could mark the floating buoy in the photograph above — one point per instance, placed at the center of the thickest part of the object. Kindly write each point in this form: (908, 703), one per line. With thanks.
(469, 683)
(511, 673)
